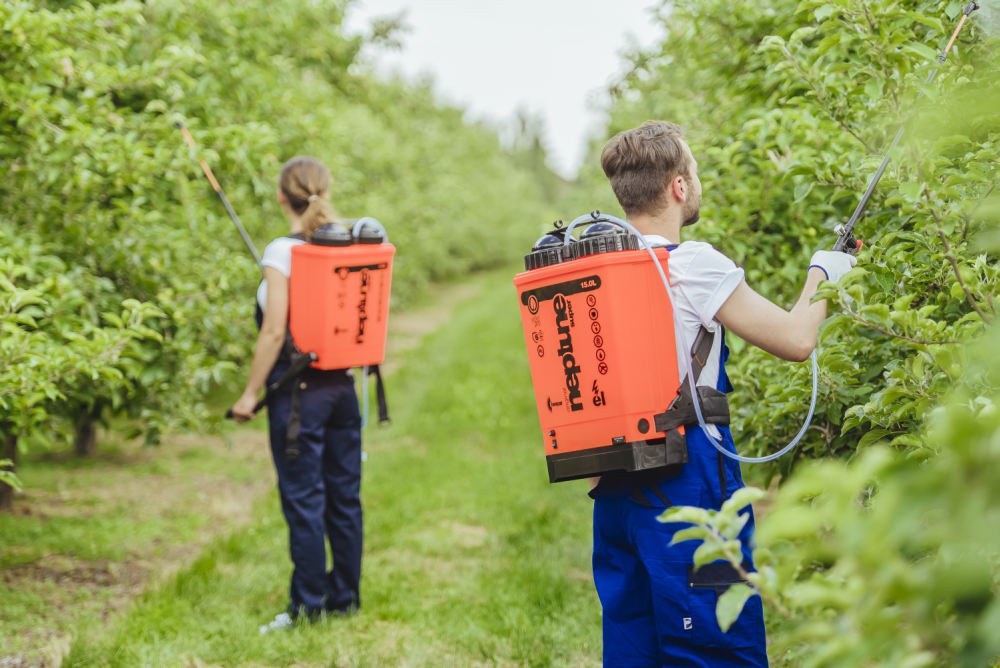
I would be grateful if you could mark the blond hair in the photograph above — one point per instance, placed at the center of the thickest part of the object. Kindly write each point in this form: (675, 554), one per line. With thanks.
(642, 162)
(306, 183)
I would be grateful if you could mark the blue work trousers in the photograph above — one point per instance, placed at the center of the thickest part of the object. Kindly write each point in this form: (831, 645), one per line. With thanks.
(321, 491)
(658, 611)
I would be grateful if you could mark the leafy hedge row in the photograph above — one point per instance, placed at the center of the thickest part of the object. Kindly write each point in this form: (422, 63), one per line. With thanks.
(789, 107)
(102, 194)
(890, 560)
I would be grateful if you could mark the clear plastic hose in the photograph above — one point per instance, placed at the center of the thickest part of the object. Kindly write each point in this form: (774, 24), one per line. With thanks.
(355, 231)
(683, 341)
(364, 397)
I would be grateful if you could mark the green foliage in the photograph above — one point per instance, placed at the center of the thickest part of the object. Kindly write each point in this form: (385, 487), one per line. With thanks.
(891, 558)
(55, 333)
(91, 163)
(789, 107)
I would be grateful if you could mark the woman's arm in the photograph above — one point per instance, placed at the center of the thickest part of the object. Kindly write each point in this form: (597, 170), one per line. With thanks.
(269, 343)
(790, 335)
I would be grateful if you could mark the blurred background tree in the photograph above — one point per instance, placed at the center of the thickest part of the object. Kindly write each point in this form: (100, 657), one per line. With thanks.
(106, 196)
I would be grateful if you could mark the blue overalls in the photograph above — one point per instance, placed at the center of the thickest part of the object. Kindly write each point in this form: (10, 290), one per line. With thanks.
(321, 488)
(658, 611)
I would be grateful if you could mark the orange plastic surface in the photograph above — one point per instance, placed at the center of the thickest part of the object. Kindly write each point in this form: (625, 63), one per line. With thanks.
(339, 302)
(600, 338)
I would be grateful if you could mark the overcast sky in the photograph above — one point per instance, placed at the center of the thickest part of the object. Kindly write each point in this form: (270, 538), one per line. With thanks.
(550, 57)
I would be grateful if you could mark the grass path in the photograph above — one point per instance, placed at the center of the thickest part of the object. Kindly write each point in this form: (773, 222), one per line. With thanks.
(471, 557)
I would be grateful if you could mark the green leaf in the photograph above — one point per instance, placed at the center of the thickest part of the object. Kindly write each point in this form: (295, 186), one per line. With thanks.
(873, 88)
(685, 514)
(921, 50)
(912, 190)
(742, 498)
(931, 21)
(802, 190)
(871, 437)
(692, 533)
(731, 603)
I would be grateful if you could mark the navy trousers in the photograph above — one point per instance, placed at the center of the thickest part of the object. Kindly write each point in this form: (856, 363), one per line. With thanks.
(321, 492)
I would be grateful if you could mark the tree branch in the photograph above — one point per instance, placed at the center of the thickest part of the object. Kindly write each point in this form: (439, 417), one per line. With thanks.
(822, 99)
(55, 378)
(887, 332)
(952, 260)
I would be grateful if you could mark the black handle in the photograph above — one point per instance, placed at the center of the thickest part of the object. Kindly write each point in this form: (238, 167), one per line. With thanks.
(294, 369)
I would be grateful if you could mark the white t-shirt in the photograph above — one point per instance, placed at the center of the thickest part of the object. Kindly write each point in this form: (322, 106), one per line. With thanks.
(702, 279)
(278, 255)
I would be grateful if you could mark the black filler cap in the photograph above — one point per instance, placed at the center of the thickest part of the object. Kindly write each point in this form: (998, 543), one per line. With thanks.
(548, 250)
(331, 234)
(603, 236)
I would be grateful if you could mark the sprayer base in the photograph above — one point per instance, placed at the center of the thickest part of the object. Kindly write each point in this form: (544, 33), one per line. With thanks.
(634, 456)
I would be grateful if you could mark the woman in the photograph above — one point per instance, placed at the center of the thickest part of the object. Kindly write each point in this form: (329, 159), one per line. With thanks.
(321, 489)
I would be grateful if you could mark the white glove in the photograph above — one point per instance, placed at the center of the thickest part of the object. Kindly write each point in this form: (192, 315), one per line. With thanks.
(833, 263)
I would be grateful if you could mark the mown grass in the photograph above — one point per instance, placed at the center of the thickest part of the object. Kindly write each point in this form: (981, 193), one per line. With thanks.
(471, 557)
(90, 533)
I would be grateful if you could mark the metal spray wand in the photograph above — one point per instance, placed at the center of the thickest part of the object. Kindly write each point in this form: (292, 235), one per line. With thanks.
(847, 243)
(222, 195)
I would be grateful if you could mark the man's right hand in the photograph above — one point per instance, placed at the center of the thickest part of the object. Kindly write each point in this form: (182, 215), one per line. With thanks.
(833, 263)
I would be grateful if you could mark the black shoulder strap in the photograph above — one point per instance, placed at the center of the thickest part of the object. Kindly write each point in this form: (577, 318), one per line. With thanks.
(700, 351)
(383, 408)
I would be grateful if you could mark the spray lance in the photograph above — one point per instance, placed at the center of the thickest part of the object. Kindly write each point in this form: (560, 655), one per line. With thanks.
(222, 195)
(301, 362)
(847, 243)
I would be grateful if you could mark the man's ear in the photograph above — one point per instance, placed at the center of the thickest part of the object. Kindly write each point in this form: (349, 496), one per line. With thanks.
(678, 188)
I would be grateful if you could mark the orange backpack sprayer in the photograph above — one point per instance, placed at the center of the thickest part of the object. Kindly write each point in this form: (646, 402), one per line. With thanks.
(350, 275)
(339, 289)
(603, 347)
(603, 352)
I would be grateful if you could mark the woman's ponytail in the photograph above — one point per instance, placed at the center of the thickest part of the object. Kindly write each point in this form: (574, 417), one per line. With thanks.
(306, 183)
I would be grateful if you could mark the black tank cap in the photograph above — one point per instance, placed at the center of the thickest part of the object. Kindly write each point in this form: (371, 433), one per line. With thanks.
(331, 234)
(602, 228)
(548, 241)
(369, 234)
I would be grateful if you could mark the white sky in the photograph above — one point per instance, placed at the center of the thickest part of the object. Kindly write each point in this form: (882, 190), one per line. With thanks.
(553, 58)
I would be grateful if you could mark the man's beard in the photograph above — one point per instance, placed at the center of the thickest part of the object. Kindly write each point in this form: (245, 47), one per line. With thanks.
(691, 211)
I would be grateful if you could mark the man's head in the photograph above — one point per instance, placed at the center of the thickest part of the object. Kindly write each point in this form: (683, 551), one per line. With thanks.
(651, 169)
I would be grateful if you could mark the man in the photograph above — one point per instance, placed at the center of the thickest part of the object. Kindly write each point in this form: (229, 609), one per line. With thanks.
(658, 611)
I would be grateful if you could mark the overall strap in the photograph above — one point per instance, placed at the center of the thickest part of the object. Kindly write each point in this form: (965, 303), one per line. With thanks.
(714, 405)
(700, 352)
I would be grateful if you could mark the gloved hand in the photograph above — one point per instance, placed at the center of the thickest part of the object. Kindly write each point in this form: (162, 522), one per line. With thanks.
(833, 263)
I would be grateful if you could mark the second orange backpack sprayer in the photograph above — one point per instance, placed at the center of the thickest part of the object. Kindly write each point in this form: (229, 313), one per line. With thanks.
(338, 298)
(602, 345)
